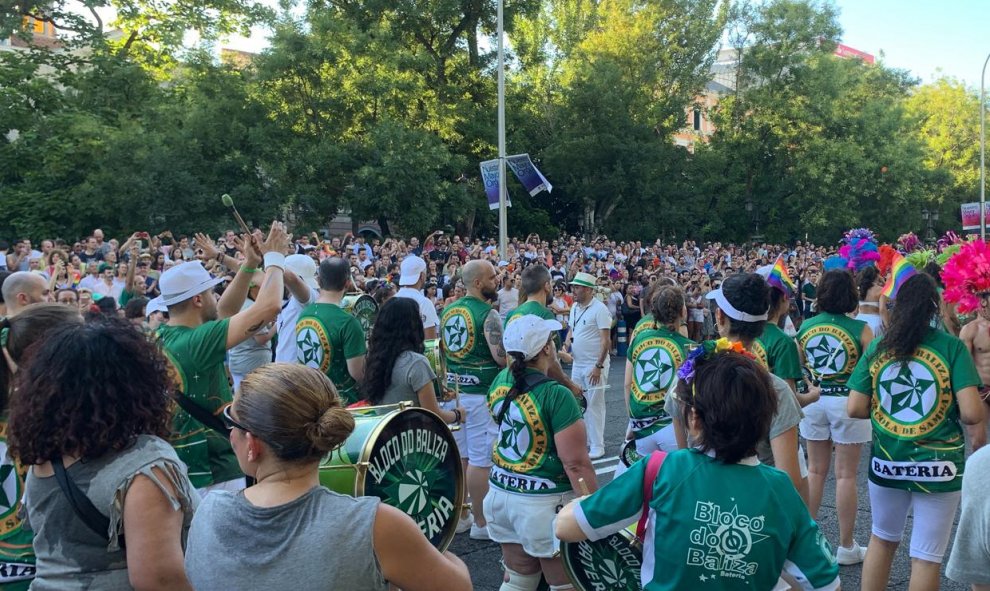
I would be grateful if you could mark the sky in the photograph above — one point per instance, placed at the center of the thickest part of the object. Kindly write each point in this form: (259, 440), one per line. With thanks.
(923, 36)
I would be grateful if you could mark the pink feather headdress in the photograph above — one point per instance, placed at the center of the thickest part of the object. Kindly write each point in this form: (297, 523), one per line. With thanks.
(966, 275)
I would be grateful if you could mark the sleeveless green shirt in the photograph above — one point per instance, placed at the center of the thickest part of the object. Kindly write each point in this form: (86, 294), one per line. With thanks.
(469, 360)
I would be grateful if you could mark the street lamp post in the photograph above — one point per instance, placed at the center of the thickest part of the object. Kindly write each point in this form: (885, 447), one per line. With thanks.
(983, 142)
(503, 233)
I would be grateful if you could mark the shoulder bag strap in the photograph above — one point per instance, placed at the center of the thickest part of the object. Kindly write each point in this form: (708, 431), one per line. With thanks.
(81, 505)
(652, 469)
(202, 415)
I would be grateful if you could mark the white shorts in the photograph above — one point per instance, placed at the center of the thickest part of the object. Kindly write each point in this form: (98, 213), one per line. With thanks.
(662, 440)
(527, 520)
(479, 431)
(827, 419)
(933, 516)
(460, 435)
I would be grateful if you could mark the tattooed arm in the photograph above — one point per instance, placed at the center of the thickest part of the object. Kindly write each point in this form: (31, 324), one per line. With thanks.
(493, 335)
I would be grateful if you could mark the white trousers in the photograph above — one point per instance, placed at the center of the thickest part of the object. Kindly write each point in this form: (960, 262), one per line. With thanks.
(594, 417)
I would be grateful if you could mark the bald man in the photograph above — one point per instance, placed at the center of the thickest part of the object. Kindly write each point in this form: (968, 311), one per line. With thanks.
(22, 289)
(472, 337)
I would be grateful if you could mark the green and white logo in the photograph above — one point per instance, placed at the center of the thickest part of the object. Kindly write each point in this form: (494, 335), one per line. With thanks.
(825, 354)
(612, 563)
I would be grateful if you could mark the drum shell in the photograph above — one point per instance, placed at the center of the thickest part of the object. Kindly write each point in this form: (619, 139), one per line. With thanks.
(363, 307)
(622, 547)
(438, 363)
(352, 469)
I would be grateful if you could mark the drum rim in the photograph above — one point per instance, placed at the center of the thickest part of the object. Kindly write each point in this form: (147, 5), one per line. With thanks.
(622, 452)
(569, 569)
(459, 486)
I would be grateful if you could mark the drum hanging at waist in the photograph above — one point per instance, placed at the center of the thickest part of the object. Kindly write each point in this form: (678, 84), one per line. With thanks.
(408, 458)
(433, 349)
(363, 307)
(614, 563)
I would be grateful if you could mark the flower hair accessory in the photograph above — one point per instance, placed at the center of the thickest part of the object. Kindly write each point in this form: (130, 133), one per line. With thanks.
(706, 350)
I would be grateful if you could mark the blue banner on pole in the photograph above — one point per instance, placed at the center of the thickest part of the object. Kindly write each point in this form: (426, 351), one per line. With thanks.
(528, 174)
(489, 175)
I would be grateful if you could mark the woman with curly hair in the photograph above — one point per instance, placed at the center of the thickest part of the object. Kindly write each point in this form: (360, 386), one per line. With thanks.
(17, 334)
(697, 499)
(396, 369)
(917, 384)
(89, 413)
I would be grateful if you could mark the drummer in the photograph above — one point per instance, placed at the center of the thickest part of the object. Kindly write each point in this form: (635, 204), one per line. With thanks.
(283, 421)
(397, 369)
(412, 277)
(537, 284)
(328, 338)
(652, 362)
(702, 534)
(539, 456)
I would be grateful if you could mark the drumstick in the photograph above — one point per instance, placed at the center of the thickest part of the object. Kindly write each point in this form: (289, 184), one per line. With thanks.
(583, 487)
(229, 202)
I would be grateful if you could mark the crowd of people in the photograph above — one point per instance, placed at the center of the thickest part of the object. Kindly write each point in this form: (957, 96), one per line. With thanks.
(748, 370)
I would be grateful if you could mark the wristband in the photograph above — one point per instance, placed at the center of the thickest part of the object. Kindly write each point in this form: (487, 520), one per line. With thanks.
(457, 416)
(274, 259)
(600, 366)
(247, 269)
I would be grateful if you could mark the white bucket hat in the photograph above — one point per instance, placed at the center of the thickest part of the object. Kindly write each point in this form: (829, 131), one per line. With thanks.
(184, 281)
(304, 266)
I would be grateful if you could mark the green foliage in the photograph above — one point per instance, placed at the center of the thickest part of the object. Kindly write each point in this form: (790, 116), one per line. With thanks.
(385, 109)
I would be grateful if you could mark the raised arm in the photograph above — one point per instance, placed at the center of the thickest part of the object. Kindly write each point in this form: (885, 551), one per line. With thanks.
(245, 323)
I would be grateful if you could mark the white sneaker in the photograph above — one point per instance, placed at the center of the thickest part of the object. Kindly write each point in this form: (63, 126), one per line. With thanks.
(479, 533)
(596, 454)
(464, 523)
(847, 556)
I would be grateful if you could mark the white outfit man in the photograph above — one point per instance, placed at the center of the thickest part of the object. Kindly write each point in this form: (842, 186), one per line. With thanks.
(589, 341)
(412, 277)
(302, 267)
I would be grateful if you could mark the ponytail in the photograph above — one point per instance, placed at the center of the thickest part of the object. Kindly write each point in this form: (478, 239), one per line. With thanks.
(518, 369)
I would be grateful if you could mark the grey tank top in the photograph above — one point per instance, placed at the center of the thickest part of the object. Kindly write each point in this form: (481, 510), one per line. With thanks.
(70, 555)
(321, 541)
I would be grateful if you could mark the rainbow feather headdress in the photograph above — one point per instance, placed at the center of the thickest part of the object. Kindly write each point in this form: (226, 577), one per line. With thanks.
(967, 275)
(860, 249)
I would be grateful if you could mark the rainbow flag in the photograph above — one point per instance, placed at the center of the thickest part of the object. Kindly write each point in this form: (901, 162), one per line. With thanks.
(900, 271)
(779, 278)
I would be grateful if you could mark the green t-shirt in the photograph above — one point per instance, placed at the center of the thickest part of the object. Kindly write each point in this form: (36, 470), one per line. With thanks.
(326, 337)
(918, 443)
(655, 355)
(644, 323)
(832, 347)
(704, 534)
(778, 352)
(16, 552)
(525, 453)
(536, 309)
(196, 357)
(469, 360)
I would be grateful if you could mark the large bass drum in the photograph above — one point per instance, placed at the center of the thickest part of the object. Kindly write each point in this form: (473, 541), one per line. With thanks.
(363, 307)
(614, 563)
(408, 458)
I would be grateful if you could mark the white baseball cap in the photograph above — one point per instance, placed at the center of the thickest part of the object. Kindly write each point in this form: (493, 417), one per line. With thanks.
(528, 335)
(184, 281)
(411, 268)
(304, 266)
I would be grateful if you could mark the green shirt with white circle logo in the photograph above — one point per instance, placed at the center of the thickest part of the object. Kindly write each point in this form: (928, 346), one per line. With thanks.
(655, 355)
(832, 347)
(469, 358)
(525, 453)
(918, 442)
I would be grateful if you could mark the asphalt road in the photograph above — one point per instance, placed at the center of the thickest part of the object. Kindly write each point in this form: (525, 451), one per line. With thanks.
(483, 558)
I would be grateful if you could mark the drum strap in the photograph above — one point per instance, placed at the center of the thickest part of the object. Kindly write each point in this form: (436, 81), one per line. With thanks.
(81, 505)
(203, 416)
(531, 381)
(652, 469)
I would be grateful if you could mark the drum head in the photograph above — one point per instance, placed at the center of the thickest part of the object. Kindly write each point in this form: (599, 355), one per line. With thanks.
(614, 563)
(629, 455)
(414, 466)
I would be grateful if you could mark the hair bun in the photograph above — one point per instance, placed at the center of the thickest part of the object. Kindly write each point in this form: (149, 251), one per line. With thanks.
(333, 427)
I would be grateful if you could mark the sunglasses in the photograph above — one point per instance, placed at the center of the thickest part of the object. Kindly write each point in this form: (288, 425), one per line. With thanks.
(229, 421)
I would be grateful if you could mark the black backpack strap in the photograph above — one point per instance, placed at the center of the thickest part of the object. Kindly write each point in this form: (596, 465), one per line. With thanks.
(531, 381)
(83, 507)
(202, 415)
